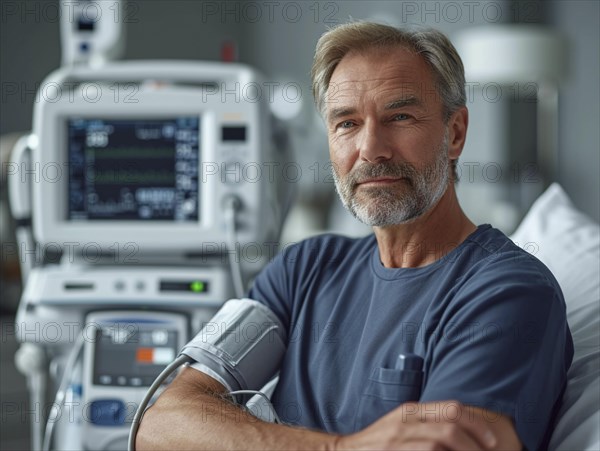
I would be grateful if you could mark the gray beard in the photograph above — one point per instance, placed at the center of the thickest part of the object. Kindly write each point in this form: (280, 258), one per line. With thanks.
(383, 206)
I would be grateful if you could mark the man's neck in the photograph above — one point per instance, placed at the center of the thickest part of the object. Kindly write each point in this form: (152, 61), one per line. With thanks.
(426, 239)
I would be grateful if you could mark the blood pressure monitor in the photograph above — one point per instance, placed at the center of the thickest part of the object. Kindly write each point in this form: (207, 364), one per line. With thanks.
(124, 352)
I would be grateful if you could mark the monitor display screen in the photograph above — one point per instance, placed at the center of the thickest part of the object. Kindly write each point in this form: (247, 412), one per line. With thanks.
(133, 169)
(132, 357)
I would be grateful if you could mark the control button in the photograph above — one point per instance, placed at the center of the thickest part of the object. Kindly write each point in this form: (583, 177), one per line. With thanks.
(122, 380)
(231, 172)
(136, 381)
(140, 285)
(228, 152)
(242, 152)
(119, 285)
(105, 379)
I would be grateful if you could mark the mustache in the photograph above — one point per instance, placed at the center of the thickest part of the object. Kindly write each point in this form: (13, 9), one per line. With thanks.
(369, 171)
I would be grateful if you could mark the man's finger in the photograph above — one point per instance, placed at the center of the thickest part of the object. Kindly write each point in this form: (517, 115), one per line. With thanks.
(450, 415)
(472, 421)
(451, 436)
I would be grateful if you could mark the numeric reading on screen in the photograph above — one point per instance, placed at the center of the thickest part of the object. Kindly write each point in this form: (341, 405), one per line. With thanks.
(133, 169)
(129, 356)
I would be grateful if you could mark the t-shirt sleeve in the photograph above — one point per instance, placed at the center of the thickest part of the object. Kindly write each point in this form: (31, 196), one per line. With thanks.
(290, 278)
(503, 345)
(272, 285)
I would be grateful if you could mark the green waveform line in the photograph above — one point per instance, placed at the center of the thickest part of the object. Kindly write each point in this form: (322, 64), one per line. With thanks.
(133, 177)
(131, 152)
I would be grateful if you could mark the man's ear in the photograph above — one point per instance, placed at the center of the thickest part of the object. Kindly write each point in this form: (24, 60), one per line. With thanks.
(457, 129)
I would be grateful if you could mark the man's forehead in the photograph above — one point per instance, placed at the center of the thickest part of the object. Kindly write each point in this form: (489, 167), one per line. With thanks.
(384, 76)
(386, 94)
(395, 86)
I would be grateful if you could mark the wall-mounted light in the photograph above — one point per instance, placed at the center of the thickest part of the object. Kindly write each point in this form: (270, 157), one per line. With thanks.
(518, 134)
(512, 54)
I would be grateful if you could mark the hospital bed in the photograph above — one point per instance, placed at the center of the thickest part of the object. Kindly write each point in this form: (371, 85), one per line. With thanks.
(568, 242)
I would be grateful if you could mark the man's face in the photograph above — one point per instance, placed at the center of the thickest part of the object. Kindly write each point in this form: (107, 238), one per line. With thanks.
(387, 138)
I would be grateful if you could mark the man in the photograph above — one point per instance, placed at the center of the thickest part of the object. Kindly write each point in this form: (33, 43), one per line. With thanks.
(479, 325)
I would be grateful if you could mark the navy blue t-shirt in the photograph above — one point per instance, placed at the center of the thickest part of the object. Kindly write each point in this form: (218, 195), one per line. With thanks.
(487, 319)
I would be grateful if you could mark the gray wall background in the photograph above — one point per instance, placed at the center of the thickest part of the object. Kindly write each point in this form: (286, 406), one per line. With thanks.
(279, 38)
(579, 132)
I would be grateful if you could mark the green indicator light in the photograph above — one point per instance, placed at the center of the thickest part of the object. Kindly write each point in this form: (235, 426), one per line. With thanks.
(197, 286)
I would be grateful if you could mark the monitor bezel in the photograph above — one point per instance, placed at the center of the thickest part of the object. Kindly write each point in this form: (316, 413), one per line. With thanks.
(50, 197)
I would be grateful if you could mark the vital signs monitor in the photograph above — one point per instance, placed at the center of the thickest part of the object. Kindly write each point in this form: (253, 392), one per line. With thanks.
(152, 153)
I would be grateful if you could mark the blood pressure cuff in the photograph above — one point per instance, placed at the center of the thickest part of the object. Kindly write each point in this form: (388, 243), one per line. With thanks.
(241, 347)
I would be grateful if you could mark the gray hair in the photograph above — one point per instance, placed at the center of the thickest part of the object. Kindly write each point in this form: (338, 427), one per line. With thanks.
(435, 48)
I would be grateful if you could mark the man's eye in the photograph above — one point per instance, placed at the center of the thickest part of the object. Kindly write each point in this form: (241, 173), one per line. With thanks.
(346, 124)
(400, 117)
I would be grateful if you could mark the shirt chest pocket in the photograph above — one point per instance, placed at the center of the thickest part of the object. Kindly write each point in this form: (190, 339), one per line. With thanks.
(386, 389)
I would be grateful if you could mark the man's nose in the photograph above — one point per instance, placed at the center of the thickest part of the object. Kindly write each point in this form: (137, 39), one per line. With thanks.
(372, 144)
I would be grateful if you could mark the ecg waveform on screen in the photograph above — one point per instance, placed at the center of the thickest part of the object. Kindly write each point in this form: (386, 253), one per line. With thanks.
(129, 152)
(132, 177)
(112, 208)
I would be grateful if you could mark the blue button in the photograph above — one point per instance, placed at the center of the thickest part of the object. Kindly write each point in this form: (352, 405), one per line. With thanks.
(107, 412)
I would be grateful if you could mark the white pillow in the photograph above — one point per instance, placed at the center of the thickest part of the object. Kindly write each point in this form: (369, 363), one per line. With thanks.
(568, 242)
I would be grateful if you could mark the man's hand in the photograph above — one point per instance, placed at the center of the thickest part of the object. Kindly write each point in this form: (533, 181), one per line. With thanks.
(446, 425)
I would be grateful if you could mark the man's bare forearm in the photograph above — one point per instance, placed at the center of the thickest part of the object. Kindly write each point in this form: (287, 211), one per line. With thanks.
(194, 414)
(190, 414)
